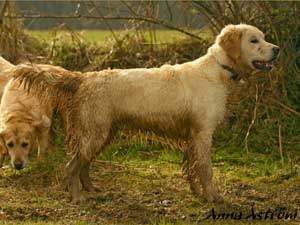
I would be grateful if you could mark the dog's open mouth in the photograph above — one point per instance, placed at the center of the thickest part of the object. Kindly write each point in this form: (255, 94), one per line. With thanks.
(263, 65)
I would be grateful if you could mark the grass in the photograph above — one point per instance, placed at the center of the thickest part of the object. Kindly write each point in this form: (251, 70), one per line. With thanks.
(100, 36)
(141, 183)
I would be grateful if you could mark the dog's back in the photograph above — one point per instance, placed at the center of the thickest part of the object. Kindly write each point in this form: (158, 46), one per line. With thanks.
(4, 76)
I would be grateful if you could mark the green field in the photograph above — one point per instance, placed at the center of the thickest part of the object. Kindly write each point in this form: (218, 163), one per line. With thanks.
(142, 183)
(100, 36)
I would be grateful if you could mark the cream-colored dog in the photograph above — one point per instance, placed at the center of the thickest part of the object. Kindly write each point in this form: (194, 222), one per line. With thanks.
(180, 101)
(4, 78)
(25, 121)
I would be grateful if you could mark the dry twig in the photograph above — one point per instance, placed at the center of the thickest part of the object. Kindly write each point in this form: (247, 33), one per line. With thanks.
(284, 106)
(253, 119)
(280, 144)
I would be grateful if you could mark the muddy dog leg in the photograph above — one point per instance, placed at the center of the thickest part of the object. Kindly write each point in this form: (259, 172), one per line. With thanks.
(45, 143)
(73, 170)
(85, 177)
(200, 166)
(96, 145)
(78, 167)
(189, 170)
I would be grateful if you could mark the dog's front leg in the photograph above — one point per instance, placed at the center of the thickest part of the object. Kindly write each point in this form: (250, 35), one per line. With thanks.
(200, 166)
(43, 144)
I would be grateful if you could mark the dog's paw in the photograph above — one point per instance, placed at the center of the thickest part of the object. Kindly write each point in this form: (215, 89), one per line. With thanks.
(78, 199)
(213, 197)
(90, 188)
(211, 194)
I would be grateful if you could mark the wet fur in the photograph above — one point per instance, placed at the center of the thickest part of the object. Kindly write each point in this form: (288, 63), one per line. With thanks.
(4, 78)
(181, 101)
(24, 116)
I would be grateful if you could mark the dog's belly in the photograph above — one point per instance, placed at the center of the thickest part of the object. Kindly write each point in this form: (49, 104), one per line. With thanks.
(151, 103)
(165, 125)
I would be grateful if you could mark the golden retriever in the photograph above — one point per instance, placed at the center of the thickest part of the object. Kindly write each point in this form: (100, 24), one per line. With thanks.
(24, 121)
(4, 78)
(181, 101)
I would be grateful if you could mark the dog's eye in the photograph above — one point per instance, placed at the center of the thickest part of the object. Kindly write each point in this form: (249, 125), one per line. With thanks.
(10, 144)
(24, 145)
(254, 41)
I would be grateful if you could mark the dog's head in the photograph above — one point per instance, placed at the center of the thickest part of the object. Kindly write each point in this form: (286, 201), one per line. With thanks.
(18, 139)
(245, 46)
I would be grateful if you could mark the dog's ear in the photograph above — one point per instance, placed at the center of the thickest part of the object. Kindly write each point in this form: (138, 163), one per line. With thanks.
(3, 148)
(230, 40)
(42, 124)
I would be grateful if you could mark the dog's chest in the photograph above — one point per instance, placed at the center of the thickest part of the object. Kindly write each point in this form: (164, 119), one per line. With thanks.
(218, 107)
(209, 105)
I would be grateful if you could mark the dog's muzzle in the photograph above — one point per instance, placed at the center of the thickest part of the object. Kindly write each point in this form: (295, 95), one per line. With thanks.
(18, 165)
(266, 65)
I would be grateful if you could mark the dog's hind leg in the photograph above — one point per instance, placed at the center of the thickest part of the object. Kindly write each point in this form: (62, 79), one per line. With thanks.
(96, 144)
(85, 177)
(73, 170)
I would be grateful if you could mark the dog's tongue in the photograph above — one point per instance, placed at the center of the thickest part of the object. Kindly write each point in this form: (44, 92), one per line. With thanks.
(268, 65)
(262, 65)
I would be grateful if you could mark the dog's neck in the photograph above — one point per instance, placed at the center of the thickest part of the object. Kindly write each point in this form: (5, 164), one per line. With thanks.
(233, 74)
(224, 61)
(4, 65)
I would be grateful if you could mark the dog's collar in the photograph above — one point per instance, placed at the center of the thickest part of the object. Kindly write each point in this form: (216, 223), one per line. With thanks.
(234, 75)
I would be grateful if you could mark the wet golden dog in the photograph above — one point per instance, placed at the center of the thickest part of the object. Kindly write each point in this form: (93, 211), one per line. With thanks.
(4, 78)
(24, 121)
(181, 101)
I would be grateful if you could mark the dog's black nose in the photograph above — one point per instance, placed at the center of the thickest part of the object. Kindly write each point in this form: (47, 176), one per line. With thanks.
(18, 165)
(275, 51)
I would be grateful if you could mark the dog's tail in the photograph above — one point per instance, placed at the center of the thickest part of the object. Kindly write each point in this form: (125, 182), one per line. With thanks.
(54, 86)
